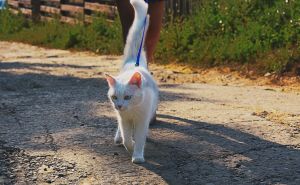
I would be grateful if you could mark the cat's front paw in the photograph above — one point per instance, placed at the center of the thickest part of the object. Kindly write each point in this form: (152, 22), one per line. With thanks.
(138, 160)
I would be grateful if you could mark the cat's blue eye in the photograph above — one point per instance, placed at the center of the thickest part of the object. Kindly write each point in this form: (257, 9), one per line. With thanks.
(114, 97)
(127, 97)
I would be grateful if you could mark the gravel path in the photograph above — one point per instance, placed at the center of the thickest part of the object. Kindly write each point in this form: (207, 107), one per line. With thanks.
(57, 126)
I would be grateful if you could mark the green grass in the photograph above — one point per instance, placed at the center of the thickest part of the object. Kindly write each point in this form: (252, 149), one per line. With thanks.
(263, 34)
(101, 36)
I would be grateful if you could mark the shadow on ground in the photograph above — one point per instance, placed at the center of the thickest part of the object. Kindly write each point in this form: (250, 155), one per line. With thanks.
(212, 153)
(45, 112)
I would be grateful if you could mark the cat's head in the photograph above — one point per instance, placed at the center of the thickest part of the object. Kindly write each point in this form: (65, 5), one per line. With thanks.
(125, 94)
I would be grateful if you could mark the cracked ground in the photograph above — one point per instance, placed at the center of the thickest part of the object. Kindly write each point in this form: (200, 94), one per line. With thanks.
(57, 126)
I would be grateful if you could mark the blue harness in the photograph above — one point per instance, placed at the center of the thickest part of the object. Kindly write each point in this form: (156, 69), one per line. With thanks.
(137, 63)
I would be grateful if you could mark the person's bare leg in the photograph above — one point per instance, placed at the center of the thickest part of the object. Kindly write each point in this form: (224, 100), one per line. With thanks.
(156, 11)
(126, 14)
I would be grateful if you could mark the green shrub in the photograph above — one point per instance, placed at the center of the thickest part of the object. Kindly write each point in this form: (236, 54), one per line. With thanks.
(10, 24)
(236, 32)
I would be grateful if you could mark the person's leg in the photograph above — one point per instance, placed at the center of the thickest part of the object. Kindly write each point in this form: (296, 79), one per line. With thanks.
(126, 14)
(156, 11)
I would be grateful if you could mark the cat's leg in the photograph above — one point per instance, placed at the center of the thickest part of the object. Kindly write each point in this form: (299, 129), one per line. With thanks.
(126, 133)
(118, 137)
(140, 134)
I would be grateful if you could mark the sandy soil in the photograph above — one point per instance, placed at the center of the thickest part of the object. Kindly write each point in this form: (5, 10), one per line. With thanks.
(214, 127)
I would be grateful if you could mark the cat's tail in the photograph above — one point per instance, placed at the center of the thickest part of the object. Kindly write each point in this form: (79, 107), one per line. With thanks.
(134, 38)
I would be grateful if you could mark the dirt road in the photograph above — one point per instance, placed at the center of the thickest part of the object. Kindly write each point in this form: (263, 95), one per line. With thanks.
(57, 126)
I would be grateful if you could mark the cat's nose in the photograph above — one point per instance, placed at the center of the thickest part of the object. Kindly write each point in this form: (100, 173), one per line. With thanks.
(119, 106)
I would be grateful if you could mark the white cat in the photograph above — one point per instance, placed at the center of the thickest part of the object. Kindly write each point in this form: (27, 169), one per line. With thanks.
(134, 93)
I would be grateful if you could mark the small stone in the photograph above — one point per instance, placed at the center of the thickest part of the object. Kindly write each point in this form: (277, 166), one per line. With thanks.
(62, 168)
(88, 173)
(267, 74)
(83, 175)
(34, 178)
(49, 181)
(163, 80)
(45, 169)
(61, 174)
(70, 166)
(238, 165)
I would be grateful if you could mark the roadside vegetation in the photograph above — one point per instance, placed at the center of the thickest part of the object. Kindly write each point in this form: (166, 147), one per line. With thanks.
(101, 36)
(262, 35)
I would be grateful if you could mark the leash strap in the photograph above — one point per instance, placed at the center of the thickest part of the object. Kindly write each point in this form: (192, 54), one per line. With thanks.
(141, 45)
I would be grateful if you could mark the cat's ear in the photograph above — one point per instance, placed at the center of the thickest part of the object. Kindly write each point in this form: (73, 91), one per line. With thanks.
(110, 80)
(136, 79)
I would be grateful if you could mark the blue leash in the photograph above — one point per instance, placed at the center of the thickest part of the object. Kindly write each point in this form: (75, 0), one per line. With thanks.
(141, 45)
